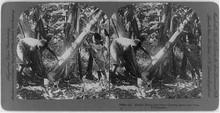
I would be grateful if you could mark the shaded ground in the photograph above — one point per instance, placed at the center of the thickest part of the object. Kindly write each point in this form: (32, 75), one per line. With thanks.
(89, 89)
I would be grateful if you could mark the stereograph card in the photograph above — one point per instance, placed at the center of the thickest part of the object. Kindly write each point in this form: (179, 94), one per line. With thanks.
(110, 55)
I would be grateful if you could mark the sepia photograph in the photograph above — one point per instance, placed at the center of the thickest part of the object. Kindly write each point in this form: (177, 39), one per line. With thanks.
(72, 50)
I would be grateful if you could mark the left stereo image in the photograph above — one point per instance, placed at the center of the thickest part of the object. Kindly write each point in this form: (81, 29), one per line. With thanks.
(62, 52)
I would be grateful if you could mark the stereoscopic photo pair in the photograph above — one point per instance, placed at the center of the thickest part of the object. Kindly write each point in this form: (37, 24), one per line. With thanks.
(74, 50)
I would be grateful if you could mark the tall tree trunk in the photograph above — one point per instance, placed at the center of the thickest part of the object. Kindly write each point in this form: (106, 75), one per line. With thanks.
(71, 51)
(166, 18)
(67, 31)
(77, 26)
(72, 30)
(156, 58)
